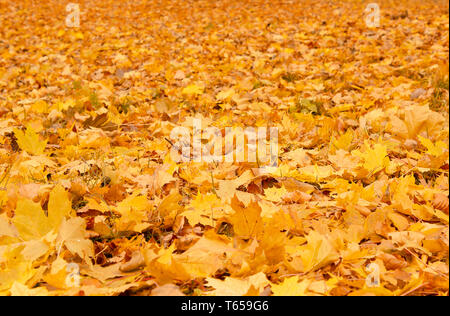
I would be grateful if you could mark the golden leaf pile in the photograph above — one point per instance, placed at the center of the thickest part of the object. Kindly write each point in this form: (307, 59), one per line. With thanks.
(92, 203)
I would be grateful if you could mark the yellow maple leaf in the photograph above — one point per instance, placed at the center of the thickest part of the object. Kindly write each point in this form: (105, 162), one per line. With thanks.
(78, 35)
(237, 287)
(374, 159)
(133, 210)
(72, 234)
(193, 90)
(205, 201)
(35, 249)
(275, 194)
(164, 268)
(64, 106)
(291, 287)
(94, 138)
(57, 274)
(343, 141)
(203, 209)
(29, 141)
(19, 289)
(40, 106)
(225, 94)
(318, 252)
(207, 256)
(7, 233)
(437, 149)
(31, 221)
(14, 267)
(247, 221)
(59, 206)
(312, 173)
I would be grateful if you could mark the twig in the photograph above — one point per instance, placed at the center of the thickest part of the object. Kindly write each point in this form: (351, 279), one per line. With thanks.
(414, 289)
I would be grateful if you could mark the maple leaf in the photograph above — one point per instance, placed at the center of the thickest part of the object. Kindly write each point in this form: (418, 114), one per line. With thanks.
(204, 209)
(436, 149)
(94, 138)
(374, 159)
(133, 210)
(57, 275)
(14, 268)
(19, 289)
(7, 231)
(312, 174)
(344, 141)
(275, 194)
(72, 234)
(35, 249)
(227, 188)
(59, 206)
(238, 287)
(193, 90)
(225, 94)
(164, 266)
(318, 252)
(419, 118)
(291, 287)
(31, 221)
(29, 141)
(207, 256)
(247, 221)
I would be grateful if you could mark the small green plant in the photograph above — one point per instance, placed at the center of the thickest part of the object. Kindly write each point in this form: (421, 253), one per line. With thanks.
(439, 98)
(442, 83)
(93, 98)
(76, 85)
(307, 106)
(124, 106)
(257, 85)
(290, 77)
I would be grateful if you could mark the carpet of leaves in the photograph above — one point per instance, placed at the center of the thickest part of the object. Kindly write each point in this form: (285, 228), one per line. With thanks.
(93, 204)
